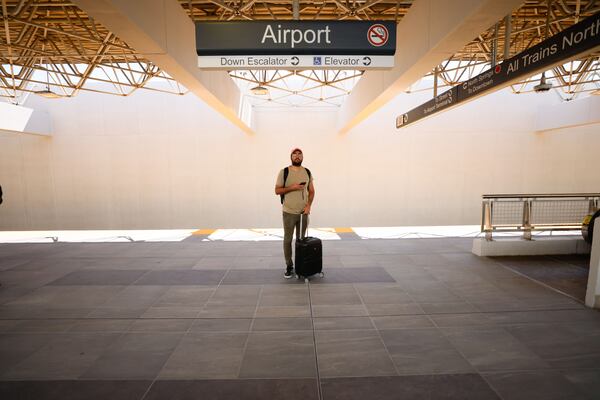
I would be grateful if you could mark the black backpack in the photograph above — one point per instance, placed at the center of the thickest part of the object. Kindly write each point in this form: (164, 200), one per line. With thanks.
(286, 172)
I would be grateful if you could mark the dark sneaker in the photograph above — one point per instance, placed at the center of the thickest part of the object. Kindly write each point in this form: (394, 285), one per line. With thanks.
(289, 272)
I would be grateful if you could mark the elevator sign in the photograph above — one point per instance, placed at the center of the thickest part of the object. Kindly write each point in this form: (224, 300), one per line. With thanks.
(296, 44)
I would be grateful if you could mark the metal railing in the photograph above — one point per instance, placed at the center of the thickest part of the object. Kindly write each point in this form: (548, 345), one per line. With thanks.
(528, 212)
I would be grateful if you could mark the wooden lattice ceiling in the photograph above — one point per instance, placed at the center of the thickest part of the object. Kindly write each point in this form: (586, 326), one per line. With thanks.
(74, 51)
(219, 10)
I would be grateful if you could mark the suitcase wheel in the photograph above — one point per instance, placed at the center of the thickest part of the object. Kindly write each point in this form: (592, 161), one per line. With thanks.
(321, 274)
(305, 280)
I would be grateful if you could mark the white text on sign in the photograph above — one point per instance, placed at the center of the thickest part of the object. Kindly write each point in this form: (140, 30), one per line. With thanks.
(297, 36)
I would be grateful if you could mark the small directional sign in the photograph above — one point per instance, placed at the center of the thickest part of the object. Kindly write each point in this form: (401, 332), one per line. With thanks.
(293, 62)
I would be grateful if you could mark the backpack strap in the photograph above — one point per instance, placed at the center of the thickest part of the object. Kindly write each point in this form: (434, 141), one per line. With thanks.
(286, 172)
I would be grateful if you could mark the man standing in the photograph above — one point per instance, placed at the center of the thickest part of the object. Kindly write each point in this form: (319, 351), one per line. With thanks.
(295, 186)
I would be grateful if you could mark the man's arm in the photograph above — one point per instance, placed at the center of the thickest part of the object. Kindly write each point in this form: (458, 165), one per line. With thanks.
(283, 190)
(311, 196)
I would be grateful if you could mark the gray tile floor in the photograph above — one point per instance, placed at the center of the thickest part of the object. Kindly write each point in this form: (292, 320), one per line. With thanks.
(391, 319)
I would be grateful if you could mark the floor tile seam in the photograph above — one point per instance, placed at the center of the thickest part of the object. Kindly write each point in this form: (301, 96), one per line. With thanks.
(378, 333)
(250, 329)
(362, 303)
(118, 336)
(123, 288)
(341, 330)
(384, 375)
(469, 302)
(534, 370)
(403, 375)
(541, 283)
(156, 301)
(492, 388)
(412, 299)
(299, 378)
(181, 337)
(189, 329)
(523, 311)
(485, 378)
(427, 374)
(510, 335)
(492, 326)
(148, 389)
(455, 347)
(279, 331)
(29, 291)
(213, 293)
(558, 260)
(146, 271)
(449, 288)
(116, 339)
(314, 337)
(435, 325)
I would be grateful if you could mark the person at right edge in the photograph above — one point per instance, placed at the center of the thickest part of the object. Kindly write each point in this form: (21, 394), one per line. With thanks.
(298, 194)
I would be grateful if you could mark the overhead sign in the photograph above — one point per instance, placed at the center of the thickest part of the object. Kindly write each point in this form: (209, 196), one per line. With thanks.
(295, 62)
(580, 38)
(296, 44)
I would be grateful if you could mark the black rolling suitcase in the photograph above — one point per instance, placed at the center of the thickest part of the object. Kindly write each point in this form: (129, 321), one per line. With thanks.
(309, 256)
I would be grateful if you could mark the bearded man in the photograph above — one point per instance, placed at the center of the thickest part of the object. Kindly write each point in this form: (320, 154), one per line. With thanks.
(295, 186)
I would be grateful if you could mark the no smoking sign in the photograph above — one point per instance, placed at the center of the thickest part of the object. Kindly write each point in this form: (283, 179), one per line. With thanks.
(378, 35)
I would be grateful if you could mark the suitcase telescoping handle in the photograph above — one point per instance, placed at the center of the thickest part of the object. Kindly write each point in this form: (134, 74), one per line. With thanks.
(302, 235)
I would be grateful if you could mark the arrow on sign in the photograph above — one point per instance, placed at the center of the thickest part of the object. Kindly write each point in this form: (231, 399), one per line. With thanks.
(295, 60)
(367, 61)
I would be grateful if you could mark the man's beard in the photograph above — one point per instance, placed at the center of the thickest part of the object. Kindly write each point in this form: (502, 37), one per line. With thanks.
(296, 163)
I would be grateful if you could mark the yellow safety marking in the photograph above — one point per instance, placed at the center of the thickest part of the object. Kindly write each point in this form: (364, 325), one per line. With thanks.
(343, 230)
(203, 232)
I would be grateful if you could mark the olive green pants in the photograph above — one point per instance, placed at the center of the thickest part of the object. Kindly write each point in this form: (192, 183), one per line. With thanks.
(291, 222)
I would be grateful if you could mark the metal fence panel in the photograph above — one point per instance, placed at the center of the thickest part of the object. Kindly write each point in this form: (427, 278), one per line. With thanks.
(558, 212)
(507, 213)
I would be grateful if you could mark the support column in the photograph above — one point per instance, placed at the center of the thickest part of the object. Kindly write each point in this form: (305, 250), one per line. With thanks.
(161, 31)
(592, 294)
(431, 32)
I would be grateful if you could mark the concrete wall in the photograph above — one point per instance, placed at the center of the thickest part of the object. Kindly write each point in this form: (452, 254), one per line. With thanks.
(154, 160)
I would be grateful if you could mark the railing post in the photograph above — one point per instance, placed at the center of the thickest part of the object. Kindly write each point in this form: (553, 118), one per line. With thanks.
(486, 219)
(527, 219)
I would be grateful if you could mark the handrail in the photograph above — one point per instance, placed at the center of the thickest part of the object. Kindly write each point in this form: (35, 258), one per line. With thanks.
(547, 195)
(528, 212)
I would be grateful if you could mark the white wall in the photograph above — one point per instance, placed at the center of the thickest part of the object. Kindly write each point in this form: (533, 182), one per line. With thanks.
(434, 173)
(154, 160)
